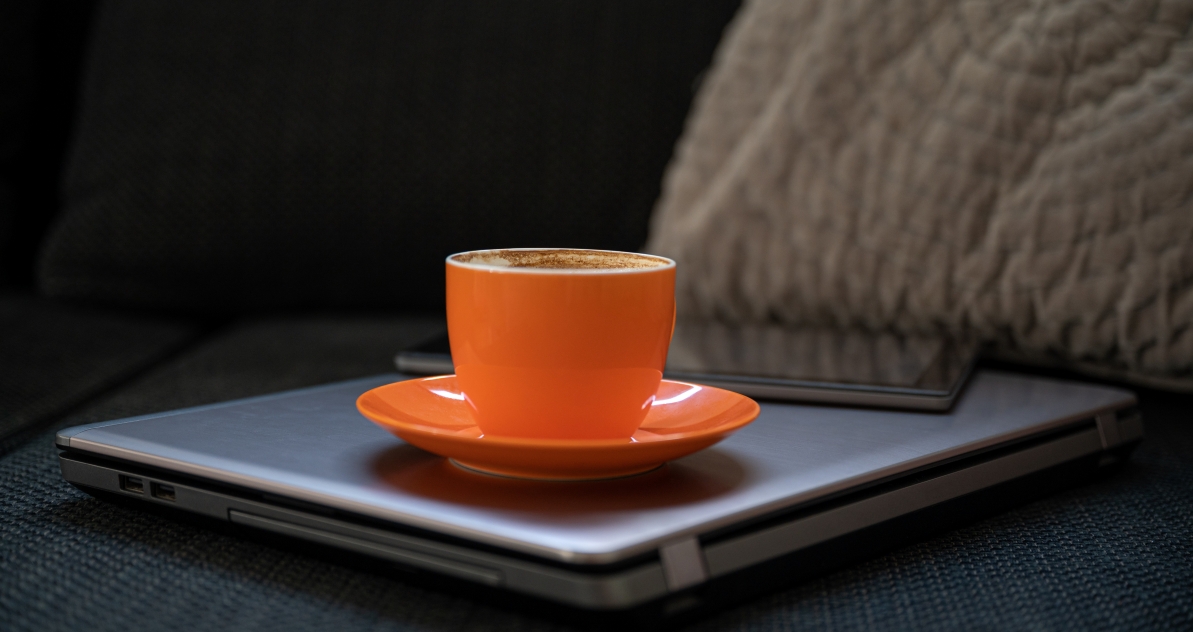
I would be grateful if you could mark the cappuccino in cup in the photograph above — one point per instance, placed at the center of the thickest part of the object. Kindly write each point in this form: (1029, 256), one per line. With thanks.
(559, 344)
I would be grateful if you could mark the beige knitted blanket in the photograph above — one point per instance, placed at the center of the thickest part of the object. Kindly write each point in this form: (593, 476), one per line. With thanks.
(1019, 170)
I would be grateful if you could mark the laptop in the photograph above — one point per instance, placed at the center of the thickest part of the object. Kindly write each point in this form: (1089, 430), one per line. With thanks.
(798, 491)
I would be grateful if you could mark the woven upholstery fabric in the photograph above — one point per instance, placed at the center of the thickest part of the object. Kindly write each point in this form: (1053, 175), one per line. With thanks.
(54, 357)
(1019, 170)
(258, 356)
(7, 207)
(246, 155)
(1113, 554)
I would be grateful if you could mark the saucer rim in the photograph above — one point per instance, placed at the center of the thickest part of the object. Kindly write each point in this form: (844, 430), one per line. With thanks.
(557, 444)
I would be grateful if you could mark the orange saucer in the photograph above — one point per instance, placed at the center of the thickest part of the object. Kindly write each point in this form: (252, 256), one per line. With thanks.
(431, 414)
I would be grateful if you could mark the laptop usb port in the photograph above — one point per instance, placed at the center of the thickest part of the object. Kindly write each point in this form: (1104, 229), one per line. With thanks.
(132, 484)
(164, 492)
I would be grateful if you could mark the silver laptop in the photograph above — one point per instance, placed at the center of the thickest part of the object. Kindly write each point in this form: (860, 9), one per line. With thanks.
(306, 465)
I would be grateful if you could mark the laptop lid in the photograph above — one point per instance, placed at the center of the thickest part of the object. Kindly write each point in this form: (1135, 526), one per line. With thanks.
(313, 446)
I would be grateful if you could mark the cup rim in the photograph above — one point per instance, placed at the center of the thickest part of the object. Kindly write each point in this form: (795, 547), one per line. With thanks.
(670, 263)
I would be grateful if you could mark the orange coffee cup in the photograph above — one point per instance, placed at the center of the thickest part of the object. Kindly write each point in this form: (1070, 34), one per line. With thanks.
(557, 343)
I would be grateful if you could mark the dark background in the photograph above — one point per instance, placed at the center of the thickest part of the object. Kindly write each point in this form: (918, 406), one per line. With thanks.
(41, 56)
(237, 157)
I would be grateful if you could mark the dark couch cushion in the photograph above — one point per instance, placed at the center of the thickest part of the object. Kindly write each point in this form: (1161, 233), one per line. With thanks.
(242, 155)
(1112, 554)
(17, 77)
(41, 44)
(54, 357)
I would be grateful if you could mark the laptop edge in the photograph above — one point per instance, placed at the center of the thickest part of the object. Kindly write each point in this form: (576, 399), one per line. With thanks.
(676, 567)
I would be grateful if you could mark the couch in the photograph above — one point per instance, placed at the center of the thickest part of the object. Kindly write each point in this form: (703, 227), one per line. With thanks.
(206, 201)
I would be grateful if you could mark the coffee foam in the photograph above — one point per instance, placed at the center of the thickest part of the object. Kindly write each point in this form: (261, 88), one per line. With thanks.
(561, 259)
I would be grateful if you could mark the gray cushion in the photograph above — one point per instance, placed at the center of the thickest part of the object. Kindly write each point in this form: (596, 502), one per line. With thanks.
(1112, 554)
(241, 155)
(1006, 171)
(54, 357)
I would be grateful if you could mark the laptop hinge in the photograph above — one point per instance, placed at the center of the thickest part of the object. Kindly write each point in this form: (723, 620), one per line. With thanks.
(683, 563)
(1108, 428)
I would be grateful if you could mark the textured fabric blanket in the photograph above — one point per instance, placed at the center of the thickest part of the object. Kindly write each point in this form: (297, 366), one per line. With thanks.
(1022, 171)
